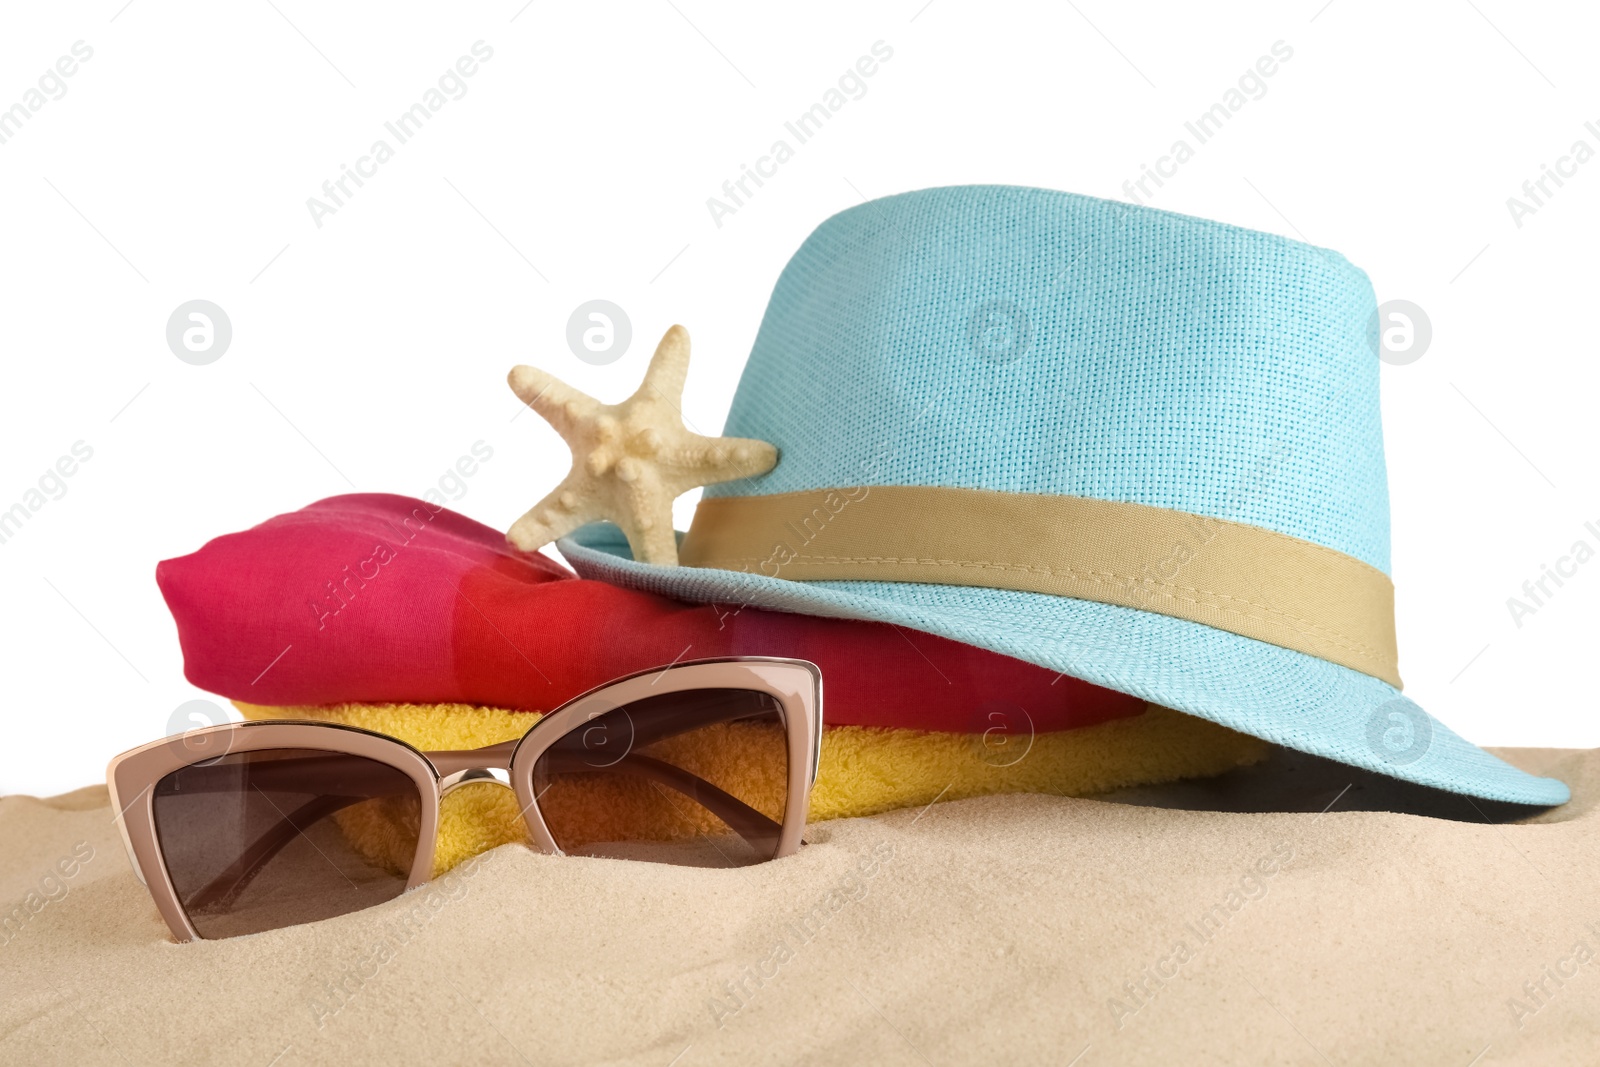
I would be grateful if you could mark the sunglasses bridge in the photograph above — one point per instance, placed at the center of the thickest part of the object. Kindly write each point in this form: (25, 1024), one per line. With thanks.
(467, 766)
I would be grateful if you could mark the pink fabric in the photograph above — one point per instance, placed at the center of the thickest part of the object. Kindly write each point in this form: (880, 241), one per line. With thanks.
(376, 598)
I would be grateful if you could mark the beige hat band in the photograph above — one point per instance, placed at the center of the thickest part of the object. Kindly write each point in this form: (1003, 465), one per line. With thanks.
(1244, 579)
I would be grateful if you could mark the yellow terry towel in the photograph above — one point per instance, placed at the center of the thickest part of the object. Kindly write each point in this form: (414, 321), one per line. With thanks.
(864, 770)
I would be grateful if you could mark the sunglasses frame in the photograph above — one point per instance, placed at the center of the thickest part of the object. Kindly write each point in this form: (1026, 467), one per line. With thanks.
(795, 684)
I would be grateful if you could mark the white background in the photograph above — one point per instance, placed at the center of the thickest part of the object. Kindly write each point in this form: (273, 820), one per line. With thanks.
(371, 353)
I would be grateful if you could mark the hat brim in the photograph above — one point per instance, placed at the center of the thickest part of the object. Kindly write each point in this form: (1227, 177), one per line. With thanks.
(1273, 693)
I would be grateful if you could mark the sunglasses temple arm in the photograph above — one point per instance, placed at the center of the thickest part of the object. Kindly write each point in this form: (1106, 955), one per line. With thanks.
(239, 874)
(744, 820)
(672, 721)
(355, 773)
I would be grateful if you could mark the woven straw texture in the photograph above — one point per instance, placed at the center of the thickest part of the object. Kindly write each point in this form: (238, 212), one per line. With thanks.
(1029, 341)
(1026, 340)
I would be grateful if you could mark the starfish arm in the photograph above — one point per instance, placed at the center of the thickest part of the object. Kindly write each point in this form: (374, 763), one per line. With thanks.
(630, 461)
(721, 459)
(558, 403)
(669, 368)
(645, 512)
(657, 546)
(749, 457)
(558, 514)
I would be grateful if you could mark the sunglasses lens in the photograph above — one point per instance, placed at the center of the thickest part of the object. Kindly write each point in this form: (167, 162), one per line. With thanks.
(258, 840)
(698, 777)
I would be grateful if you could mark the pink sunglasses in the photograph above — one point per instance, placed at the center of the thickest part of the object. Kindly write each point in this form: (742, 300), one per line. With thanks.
(253, 826)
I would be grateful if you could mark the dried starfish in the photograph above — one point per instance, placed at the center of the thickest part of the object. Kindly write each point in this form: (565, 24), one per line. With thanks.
(629, 460)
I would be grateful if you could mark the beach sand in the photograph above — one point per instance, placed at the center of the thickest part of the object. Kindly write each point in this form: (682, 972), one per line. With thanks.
(1225, 921)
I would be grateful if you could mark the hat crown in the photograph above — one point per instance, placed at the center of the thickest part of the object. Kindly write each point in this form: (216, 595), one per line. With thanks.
(1032, 341)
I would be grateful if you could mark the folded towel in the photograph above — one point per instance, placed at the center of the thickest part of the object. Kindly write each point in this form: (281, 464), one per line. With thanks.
(864, 770)
(377, 599)
(399, 616)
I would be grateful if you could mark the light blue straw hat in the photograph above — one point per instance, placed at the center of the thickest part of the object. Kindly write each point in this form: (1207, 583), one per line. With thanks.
(1134, 447)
